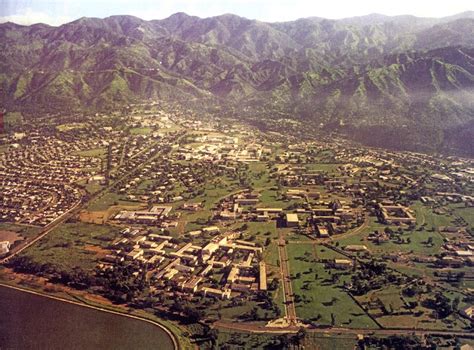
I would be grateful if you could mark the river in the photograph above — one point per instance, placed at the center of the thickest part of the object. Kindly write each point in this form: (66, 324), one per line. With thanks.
(29, 321)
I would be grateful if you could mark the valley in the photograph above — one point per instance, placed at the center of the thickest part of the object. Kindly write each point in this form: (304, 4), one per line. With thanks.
(216, 225)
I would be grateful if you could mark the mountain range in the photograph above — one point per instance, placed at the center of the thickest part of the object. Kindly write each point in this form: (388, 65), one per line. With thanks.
(400, 82)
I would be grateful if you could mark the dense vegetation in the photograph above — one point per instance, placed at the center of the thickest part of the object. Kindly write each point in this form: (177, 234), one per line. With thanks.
(405, 81)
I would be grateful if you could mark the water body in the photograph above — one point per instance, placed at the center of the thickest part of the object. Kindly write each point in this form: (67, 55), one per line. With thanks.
(29, 321)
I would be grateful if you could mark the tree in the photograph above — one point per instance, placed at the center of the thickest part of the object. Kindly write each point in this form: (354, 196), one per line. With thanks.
(440, 304)
(253, 314)
(212, 333)
(273, 284)
(299, 337)
(455, 304)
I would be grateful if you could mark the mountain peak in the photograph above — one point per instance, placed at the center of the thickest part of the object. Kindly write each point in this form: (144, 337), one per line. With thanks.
(179, 16)
(420, 71)
(85, 21)
(124, 18)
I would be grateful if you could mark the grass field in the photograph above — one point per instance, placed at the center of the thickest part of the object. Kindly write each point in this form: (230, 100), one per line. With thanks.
(23, 230)
(320, 341)
(269, 198)
(95, 153)
(170, 129)
(213, 193)
(271, 256)
(72, 244)
(425, 215)
(391, 297)
(93, 187)
(322, 298)
(70, 126)
(416, 241)
(107, 200)
(322, 167)
(13, 119)
(259, 176)
(140, 131)
(145, 186)
(238, 340)
(326, 253)
(261, 230)
(235, 312)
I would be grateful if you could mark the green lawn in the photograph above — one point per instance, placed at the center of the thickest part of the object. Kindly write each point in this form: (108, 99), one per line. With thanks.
(417, 240)
(325, 253)
(144, 186)
(271, 256)
(95, 152)
(425, 215)
(13, 119)
(391, 298)
(322, 341)
(259, 176)
(235, 311)
(244, 341)
(215, 192)
(23, 230)
(107, 200)
(140, 131)
(70, 126)
(268, 198)
(65, 246)
(260, 230)
(193, 219)
(321, 167)
(322, 297)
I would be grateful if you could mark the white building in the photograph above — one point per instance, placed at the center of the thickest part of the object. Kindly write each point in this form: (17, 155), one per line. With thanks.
(4, 247)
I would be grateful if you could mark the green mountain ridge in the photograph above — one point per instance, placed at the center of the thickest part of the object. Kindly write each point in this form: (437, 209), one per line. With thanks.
(409, 79)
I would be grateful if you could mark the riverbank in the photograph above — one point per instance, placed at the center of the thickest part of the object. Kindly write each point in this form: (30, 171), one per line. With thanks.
(34, 320)
(34, 285)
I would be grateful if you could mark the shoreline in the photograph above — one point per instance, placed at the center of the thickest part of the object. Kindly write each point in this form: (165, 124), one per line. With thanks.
(168, 332)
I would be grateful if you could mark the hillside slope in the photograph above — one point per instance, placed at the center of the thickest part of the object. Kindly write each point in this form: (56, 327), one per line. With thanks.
(410, 79)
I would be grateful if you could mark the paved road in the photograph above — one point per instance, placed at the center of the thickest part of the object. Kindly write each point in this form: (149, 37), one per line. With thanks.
(78, 207)
(258, 328)
(354, 232)
(47, 229)
(288, 296)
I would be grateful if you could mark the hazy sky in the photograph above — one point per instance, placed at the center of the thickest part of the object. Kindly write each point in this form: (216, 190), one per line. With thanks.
(57, 12)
